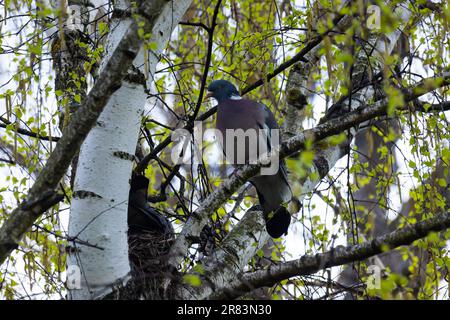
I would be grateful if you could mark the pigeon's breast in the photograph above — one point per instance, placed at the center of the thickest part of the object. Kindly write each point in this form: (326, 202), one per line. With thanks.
(240, 136)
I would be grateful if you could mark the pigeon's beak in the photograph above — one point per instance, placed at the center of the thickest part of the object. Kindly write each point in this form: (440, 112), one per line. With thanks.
(208, 95)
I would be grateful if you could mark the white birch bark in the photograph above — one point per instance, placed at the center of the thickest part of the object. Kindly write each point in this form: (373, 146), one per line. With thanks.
(99, 207)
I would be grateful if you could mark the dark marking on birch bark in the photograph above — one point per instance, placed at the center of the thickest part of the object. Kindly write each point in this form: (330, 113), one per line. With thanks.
(72, 250)
(321, 164)
(116, 86)
(296, 98)
(124, 155)
(83, 194)
(146, 14)
(129, 53)
(135, 76)
(120, 13)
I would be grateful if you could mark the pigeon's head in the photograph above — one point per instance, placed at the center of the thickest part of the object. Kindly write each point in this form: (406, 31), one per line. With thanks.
(222, 90)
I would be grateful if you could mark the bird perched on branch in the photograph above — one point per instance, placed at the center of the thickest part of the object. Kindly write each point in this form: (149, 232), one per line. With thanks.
(141, 216)
(255, 119)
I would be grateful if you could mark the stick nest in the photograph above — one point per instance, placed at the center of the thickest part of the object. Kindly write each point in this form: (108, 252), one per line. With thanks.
(148, 255)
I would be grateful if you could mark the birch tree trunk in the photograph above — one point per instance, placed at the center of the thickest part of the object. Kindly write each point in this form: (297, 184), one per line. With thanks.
(99, 207)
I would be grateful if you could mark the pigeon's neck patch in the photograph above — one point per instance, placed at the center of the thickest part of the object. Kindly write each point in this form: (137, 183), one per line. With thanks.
(235, 97)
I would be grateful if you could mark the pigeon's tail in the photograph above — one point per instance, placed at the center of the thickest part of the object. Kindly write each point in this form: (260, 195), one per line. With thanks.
(273, 192)
(277, 223)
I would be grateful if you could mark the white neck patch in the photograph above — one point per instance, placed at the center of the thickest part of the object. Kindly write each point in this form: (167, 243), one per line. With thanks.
(235, 97)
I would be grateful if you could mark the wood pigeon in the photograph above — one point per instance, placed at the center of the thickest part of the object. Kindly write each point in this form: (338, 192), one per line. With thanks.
(141, 216)
(234, 112)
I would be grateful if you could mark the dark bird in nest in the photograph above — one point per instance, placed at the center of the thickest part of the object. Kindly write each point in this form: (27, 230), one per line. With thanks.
(141, 216)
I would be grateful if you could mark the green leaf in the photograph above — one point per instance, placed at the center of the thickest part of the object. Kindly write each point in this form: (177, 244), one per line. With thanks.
(442, 182)
(192, 280)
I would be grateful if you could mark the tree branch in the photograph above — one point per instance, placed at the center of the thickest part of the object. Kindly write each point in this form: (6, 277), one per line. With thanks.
(28, 133)
(338, 256)
(222, 266)
(300, 56)
(208, 59)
